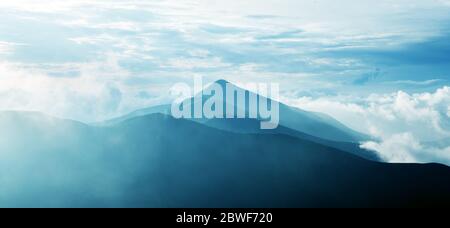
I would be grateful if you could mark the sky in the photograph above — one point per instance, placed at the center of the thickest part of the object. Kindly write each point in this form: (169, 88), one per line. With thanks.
(380, 67)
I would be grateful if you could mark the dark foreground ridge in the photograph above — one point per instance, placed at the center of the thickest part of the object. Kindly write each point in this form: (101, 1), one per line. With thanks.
(158, 161)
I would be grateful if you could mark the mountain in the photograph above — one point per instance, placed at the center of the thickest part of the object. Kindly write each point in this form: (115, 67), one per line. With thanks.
(160, 109)
(158, 161)
(251, 126)
(315, 124)
(315, 127)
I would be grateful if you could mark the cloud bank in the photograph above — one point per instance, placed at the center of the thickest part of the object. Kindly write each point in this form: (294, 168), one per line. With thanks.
(405, 127)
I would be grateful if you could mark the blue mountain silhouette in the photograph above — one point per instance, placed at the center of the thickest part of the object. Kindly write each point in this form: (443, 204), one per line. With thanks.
(158, 161)
(315, 127)
(311, 123)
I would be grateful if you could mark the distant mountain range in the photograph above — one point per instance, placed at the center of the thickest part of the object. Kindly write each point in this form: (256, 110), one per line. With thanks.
(316, 127)
(150, 159)
(311, 123)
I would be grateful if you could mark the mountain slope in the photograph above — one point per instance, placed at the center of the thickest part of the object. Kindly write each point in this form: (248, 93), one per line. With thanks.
(315, 127)
(159, 109)
(315, 124)
(158, 161)
(252, 126)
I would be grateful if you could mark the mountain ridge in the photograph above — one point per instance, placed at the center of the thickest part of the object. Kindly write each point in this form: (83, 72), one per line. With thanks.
(294, 118)
(293, 121)
(145, 161)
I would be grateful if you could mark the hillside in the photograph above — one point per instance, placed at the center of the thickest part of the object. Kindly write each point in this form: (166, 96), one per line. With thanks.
(158, 161)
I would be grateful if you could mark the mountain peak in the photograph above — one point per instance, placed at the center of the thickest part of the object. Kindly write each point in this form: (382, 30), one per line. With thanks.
(222, 82)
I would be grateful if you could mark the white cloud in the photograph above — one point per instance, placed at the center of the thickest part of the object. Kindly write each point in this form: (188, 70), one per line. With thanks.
(405, 148)
(7, 47)
(46, 6)
(396, 148)
(118, 25)
(4, 48)
(196, 63)
(445, 2)
(98, 92)
(92, 39)
(416, 83)
(23, 89)
(403, 123)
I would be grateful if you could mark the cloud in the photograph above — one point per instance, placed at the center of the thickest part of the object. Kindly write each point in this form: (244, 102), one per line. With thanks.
(411, 82)
(275, 37)
(407, 127)
(118, 25)
(196, 63)
(96, 92)
(159, 37)
(4, 48)
(405, 148)
(445, 2)
(46, 6)
(396, 148)
(23, 89)
(8, 47)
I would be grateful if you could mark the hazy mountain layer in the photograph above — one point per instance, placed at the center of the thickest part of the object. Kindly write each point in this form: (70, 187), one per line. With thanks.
(157, 161)
(315, 124)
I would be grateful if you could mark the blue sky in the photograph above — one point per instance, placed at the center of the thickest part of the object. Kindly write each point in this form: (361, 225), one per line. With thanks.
(373, 62)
